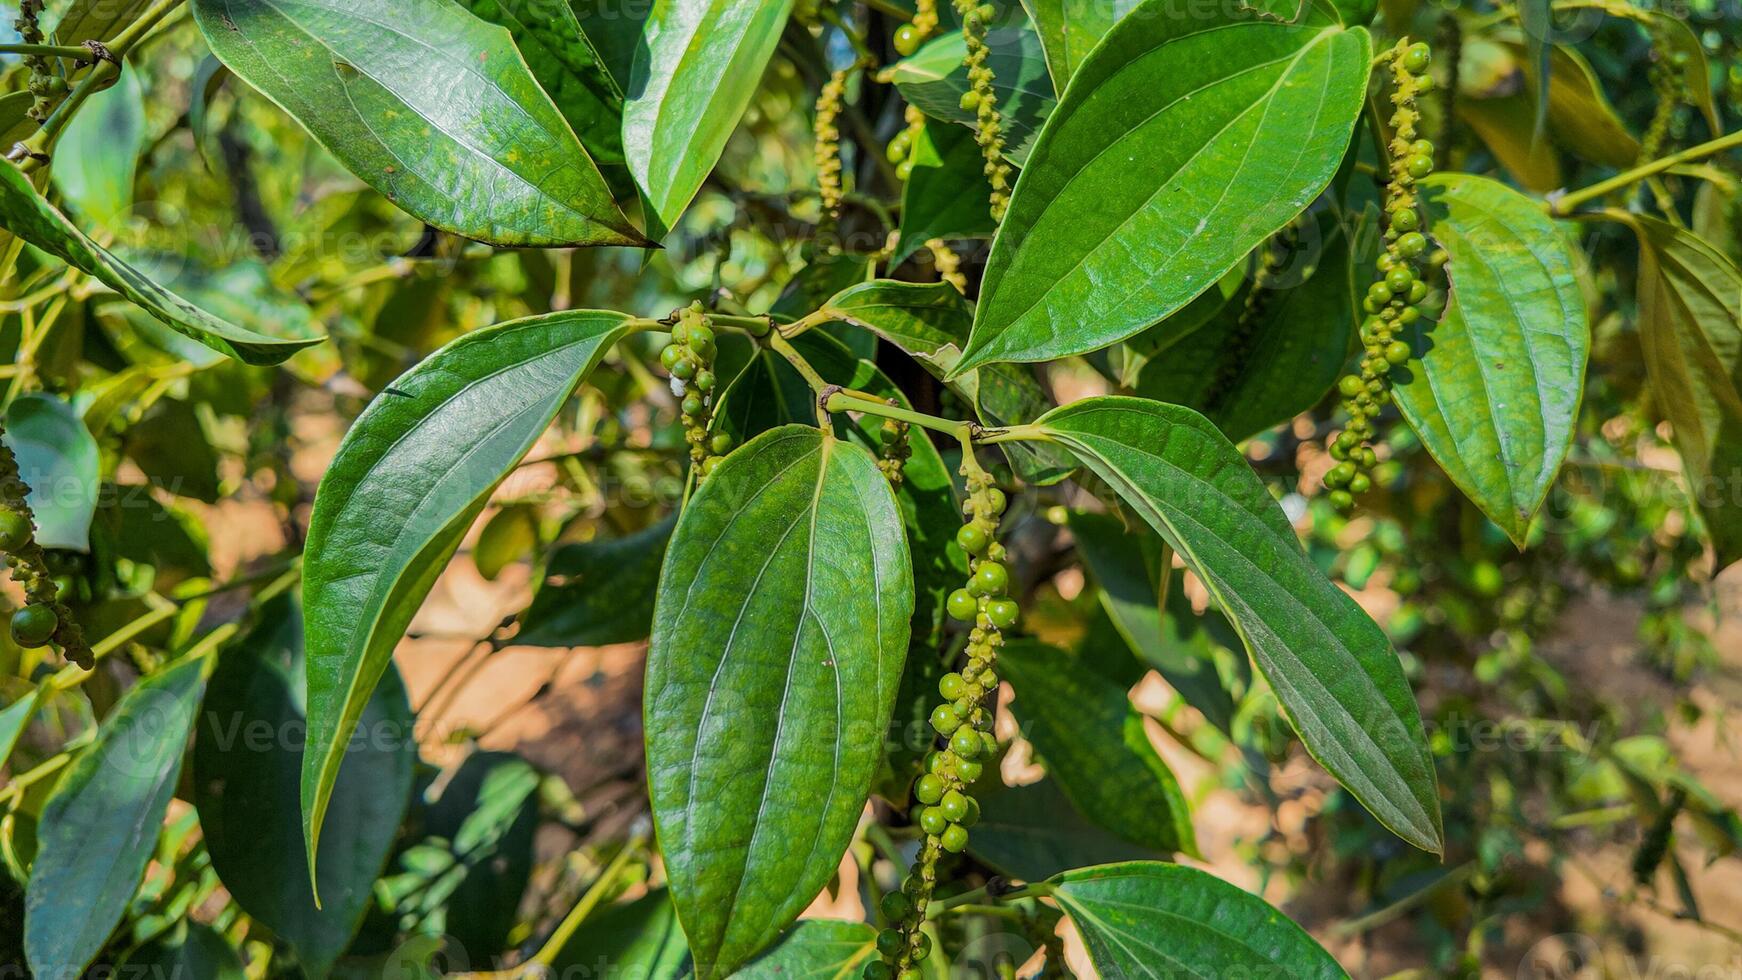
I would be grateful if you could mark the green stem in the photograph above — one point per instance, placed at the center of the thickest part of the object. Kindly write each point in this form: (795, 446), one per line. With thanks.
(1564, 205)
(48, 50)
(780, 346)
(100, 77)
(843, 401)
(565, 930)
(978, 897)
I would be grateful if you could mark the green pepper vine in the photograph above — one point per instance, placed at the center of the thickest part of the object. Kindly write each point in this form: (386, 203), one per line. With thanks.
(689, 358)
(982, 100)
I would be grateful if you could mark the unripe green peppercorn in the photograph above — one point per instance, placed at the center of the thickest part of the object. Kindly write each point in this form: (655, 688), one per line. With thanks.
(954, 805)
(1416, 58)
(1349, 385)
(33, 625)
(1342, 499)
(965, 742)
(1411, 244)
(954, 839)
(895, 906)
(951, 686)
(962, 605)
(890, 942)
(1359, 484)
(1398, 278)
(721, 443)
(969, 770)
(1420, 166)
(1002, 613)
(990, 578)
(928, 788)
(907, 39)
(945, 719)
(15, 531)
(1405, 219)
(973, 538)
(932, 821)
(877, 970)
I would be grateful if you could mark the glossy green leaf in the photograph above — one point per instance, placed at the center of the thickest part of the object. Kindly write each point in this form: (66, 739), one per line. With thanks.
(24, 213)
(246, 778)
(566, 65)
(1330, 665)
(1493, 388)
(930, 321)
(189, 951)
(1148, 919)
(1033, 832)
(429, 450)
(1130, 565)
(934, 78)
(1070, 29)
(778, 640)
(97, 156)
(1263, 359)
(597, 592)
(1690, 331)
(58, 459)
(1093, 744)
(697, 63)
(1182, 142)
(100, 826)
(430, 106)
(945, 196)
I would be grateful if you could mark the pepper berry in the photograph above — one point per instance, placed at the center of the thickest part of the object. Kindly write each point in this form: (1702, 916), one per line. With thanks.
(34, 625)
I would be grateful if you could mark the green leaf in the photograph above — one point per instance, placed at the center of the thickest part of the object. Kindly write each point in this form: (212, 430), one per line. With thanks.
(778, 641)
(1690, 331)
(1580, 115)
(597, 592)
(1094, 745)
(1070, 29)
(97, 156)
(171, 447)
(816, 949)
(1329, 664)
(1129, 565)
(930, 321)
(430, 106)
(24, 213)
(1148, 919)
(190, 951)
(1678, 38)
(98, 829)
(246, 777)
(96, 20)
(1032, 832)
(58, 458)
(467, 877)
(697, 63)
(1182, 143)
(1271, 353)
(14, 719)
(1493, 388)
(429, 451)
(945, 196)
(639, 939)
(566, 66)
(935, 77)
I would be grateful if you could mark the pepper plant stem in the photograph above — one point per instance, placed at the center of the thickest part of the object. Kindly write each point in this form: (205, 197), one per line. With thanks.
(1564, 205)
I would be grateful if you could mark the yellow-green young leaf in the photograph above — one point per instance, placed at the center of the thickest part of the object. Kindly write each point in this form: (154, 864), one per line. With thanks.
(778, 642)
(930, 321)
(1580, 115)
(245, 788)
(935, 78)
(1182, 142)
(1069, 30)
(1263, 359)
(697, 62)
(1329, 664)
(24, 213)
(100, 826)
(1094, 746)
(430, 106)
(1493, 388)
(1690, 329)
(566, 65)
(1149, 919)
(427, 453)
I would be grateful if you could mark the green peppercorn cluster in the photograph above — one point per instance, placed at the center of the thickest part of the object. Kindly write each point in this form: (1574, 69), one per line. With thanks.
(909, 36)
(827, 151)
(901, 146)
(690, 360)
(45, 617)
(1393, 301)
(45, 85)
(895, 450)
(982, 100)
(943, 808)
(1274, 259)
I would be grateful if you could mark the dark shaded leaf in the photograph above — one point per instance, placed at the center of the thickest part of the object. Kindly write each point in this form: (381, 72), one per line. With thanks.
(598, 592)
